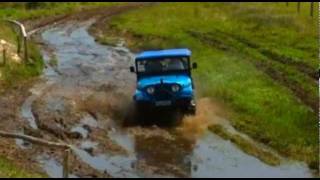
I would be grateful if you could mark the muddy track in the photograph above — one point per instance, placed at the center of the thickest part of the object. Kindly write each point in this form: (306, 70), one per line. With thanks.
(10, 102)
(84, 100)
(271, 55)
(101, 14)
(274, 56)
(279, 74)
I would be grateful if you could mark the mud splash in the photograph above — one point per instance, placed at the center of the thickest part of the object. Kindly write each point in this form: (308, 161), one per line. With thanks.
(91, 84)
(195, 126)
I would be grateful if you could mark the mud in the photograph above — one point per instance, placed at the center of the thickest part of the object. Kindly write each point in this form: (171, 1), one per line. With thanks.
(85, 99)
(17, 152)
(52, 167)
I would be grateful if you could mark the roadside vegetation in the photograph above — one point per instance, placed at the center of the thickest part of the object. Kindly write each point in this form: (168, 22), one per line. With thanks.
(259, 60)
(31, 10)
(9, 170)
(13, 73)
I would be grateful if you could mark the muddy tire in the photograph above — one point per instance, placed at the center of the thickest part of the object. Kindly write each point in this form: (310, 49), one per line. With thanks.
(141, 114)
(189, 110)
(192, 111)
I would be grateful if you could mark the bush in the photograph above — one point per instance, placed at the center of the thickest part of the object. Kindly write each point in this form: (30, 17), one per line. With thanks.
(38, 5)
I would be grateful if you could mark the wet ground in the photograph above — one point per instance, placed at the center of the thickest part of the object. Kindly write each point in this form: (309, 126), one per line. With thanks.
(84, 99)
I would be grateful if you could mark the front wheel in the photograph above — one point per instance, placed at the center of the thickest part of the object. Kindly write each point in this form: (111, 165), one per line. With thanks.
(191, 110)
(192, 107)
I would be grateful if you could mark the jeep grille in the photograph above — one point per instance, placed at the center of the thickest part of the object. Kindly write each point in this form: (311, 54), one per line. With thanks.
(163, 92)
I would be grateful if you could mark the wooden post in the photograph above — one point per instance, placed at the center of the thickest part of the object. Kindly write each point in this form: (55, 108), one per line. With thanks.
(287, 4)
(298, 7)
(34, 140)
(45, 143)
(19, 45)
(66, 163)
(311, 9)
(4, 53)
(24, 35)
(25, 49)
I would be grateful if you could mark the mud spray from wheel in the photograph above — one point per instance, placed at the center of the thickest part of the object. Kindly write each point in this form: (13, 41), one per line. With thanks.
(83, 99)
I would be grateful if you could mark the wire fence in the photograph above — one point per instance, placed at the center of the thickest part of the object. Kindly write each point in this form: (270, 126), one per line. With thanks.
(298, 4)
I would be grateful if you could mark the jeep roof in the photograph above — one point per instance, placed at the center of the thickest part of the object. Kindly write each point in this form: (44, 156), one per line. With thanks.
(163, 53)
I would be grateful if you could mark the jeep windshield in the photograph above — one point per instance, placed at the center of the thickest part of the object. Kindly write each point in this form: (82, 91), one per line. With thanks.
(162, 65)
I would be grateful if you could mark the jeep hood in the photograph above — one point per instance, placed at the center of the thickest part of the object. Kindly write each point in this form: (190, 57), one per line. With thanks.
(182, 80)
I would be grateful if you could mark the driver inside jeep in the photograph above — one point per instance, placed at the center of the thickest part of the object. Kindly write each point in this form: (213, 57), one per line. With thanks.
(154, 66)
(165, 65)
(175, 64)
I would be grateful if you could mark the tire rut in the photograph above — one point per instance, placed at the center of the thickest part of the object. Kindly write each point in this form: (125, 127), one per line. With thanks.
(273, 65)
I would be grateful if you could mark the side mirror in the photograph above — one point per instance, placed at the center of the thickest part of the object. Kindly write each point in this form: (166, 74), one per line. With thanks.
(194, 65)
(132, 69)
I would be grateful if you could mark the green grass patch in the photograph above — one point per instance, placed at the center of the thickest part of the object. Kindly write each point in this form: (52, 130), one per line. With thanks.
(256, 58)
(44, 9)
(247, 146)
(109, 41)
(14, 73)
(9, 170)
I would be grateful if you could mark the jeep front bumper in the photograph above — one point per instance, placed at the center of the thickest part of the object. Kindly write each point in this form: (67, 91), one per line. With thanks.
(185, 104)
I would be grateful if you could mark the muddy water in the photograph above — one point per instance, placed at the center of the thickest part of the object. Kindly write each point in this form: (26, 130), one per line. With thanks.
(51, 166)
(215, 157)
(84, 68)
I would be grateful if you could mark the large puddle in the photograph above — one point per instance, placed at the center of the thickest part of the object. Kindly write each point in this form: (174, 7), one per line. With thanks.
(82, 67)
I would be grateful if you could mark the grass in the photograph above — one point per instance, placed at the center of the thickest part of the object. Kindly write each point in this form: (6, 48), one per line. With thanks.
(45, 9)
(259, 59)
(247, 146)
(9, 170)
(14, 73)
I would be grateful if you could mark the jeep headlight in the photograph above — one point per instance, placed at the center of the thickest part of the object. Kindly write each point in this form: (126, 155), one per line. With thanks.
(150, 90)
(175, 88)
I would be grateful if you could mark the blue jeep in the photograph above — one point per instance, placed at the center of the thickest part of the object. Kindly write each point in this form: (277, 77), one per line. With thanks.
(164, 80)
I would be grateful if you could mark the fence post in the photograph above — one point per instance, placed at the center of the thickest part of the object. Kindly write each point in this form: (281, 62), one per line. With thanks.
(311, 9)
(19, 45)
(66, 163)
(24, 34)
(298, 7)
(45, 143)
(287, 4)
(4, 54)
(25, 49)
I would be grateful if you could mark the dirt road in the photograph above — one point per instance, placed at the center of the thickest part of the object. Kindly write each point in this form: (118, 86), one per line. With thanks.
(83, 98)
